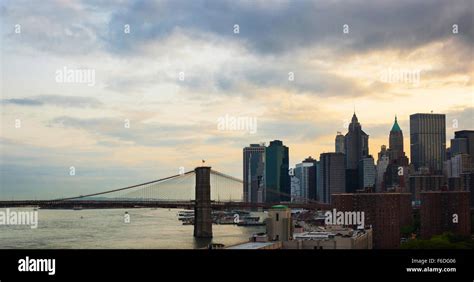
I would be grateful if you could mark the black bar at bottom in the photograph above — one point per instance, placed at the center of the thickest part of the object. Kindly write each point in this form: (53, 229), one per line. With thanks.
(221, 265)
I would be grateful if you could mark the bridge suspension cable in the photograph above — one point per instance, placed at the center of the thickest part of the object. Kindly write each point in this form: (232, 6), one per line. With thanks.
(179, 187)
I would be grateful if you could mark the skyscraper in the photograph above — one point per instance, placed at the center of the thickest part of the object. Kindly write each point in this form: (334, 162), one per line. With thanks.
(428, 141)
(395, 146)
(340, 139)
(295, 188)
(468, 137)
(460, 166)
(398, 163)
(356, 144)
(458, 146)
(367, 172)
(306, 174)
(356, 147)
(277, 178)
(382, 163)
(332, 178)
(254, 171)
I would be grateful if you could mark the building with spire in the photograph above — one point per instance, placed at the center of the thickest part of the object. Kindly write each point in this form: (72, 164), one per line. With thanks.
(395, 144)
(356, 144)
(398, 162)
(356, 147)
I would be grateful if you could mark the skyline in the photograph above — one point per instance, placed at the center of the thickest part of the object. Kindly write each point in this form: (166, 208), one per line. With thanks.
(174, 122)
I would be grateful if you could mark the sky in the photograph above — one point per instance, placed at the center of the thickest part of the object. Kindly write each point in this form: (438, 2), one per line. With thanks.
(122, 92)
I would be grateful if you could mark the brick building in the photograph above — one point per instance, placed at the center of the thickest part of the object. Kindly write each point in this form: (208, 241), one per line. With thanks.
(385, 212)
(443, 211)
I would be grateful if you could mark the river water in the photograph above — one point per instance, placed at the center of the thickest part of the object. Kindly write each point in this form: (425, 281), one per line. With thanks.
(107, 229)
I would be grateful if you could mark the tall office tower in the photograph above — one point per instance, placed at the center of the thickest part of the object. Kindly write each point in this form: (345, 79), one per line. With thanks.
(367, 173)
(382, 163)
(306, 174)
(395, 150)
(458, 146)
(468, 136)
(313, 178)
(428, 141)
(254, 171)
(395, 144)
(460, 166)
(395, 179)
(318, 176)
(295, 189)
(340, 140)
(444, 211)
(332, 176)
(387, 213)
(356, 144)
(356, 147)
(277, 178)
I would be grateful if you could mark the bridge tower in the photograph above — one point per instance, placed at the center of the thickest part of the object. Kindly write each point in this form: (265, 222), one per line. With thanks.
(202, 207)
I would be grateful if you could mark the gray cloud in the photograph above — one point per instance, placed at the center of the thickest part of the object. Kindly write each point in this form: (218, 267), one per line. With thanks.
(462, 118)
(145, 134)
(406, 24)
(23, 102)
(62, 28)
(268, 28)
(56, 100)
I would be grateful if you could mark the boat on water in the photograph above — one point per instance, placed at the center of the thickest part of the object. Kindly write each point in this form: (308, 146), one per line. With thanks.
(240, 212)
(250, 221)
(226, 220)
(240, 218)
(186, 213)
(77, 208)
(188, 222)
(186, 218)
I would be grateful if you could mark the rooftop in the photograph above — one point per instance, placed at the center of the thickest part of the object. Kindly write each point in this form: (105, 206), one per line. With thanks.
(281, 207)
(251, 246)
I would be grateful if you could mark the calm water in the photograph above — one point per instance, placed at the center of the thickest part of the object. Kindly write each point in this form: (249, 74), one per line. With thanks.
(105, 228)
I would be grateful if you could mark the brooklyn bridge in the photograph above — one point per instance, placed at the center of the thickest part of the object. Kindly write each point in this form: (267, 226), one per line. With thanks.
(176, 191)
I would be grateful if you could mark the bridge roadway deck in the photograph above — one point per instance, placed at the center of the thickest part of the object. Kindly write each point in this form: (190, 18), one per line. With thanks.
(110, 204)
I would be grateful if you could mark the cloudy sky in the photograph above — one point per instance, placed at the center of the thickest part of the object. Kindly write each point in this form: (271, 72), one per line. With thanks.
(162, 75)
